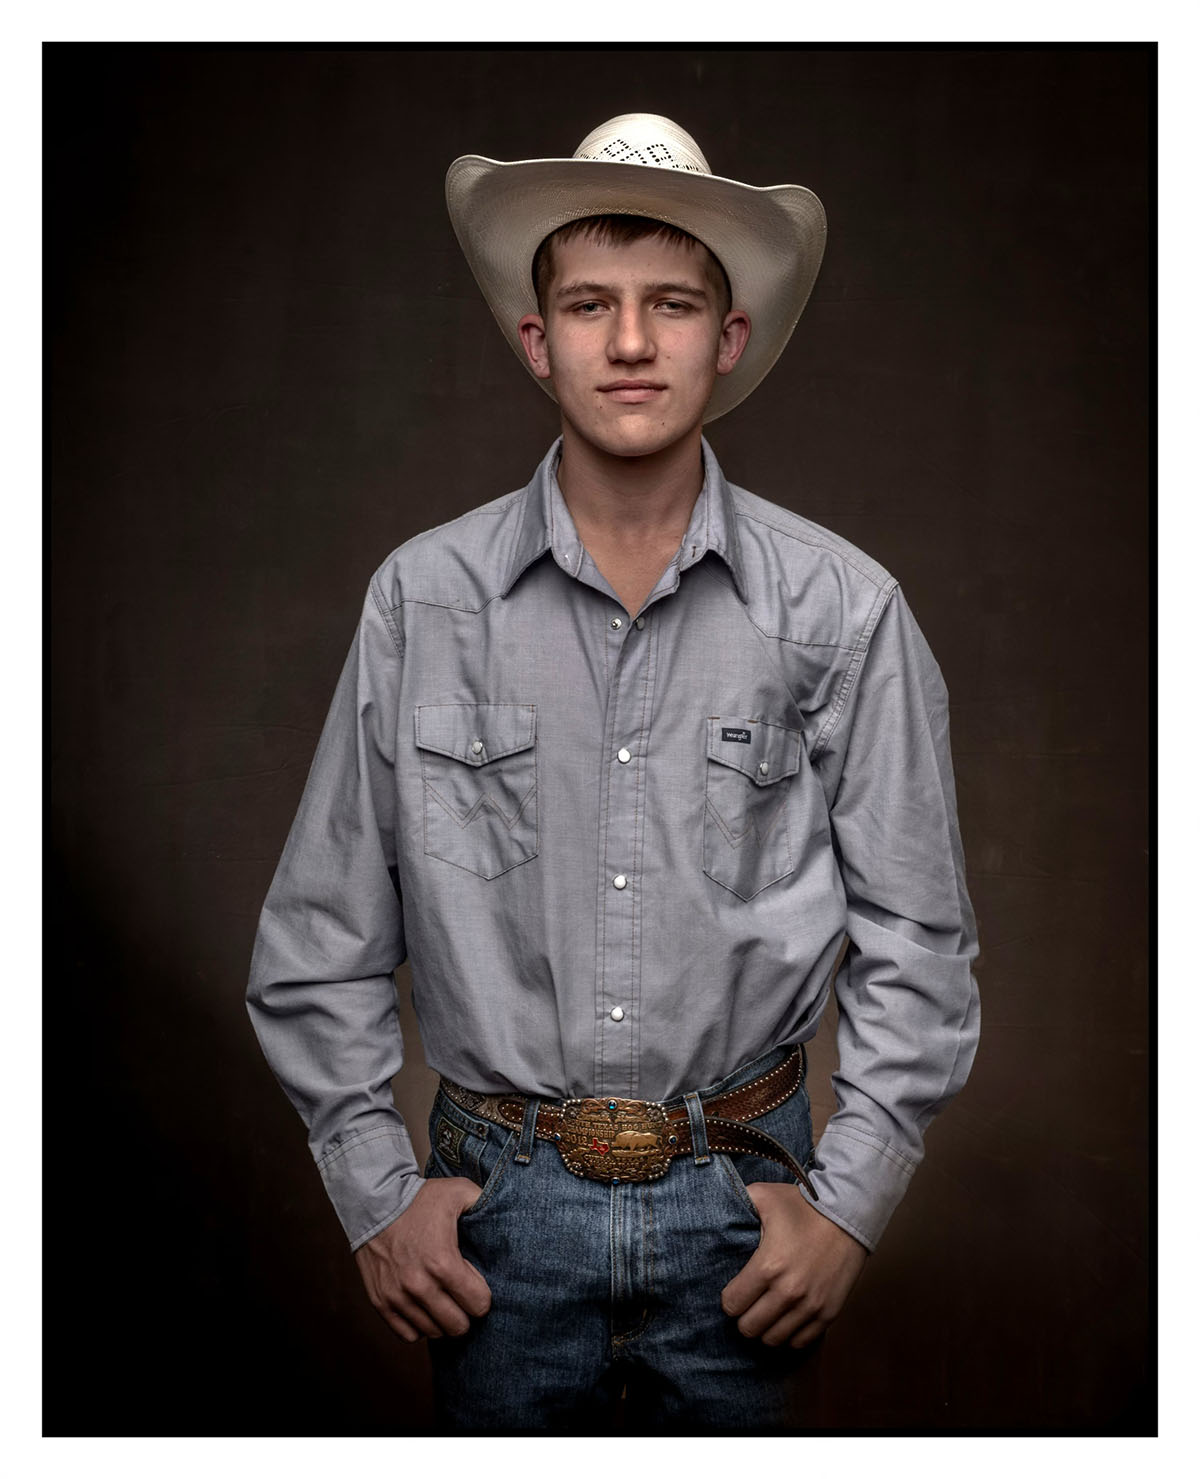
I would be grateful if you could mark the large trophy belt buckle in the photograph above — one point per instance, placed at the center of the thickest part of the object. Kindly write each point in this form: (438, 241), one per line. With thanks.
(615, 1139)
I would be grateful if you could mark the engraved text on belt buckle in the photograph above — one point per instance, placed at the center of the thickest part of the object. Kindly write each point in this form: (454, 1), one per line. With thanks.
(615, 1139)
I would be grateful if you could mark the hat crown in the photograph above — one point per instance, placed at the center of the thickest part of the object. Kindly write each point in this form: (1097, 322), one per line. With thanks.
(644, 138)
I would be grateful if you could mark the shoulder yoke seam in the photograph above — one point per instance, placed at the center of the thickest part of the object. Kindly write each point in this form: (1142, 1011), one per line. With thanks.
(446, 605)
(715, 572)
(854, 667)
(386, 615)
(743, 513)
(493, 509)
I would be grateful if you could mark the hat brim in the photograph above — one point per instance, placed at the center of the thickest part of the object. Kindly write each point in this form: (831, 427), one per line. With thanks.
(769, 240)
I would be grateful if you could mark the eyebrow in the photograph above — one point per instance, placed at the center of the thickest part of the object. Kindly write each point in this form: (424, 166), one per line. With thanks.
(600, 289)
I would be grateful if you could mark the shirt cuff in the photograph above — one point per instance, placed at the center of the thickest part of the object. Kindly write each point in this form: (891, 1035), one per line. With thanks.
(370, 1178)
(860, 1181)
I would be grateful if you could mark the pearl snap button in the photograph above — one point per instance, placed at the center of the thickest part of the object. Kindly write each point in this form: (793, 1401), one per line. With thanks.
(476, 747)
(617, 1014)
(620, 881)
(624, 756)
(615, 623)
(763, 768)
(640, 623)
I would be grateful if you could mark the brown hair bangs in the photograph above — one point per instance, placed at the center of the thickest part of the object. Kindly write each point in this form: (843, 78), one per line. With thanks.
(617, 230)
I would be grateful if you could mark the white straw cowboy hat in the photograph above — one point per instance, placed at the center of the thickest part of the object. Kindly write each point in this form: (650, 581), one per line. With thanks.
(769, 240)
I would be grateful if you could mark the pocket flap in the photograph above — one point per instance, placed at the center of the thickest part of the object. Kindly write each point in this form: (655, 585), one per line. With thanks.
(764, 752)
(475, 733)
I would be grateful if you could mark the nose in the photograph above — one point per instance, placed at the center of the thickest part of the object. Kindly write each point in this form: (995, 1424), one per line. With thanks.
(631, 341)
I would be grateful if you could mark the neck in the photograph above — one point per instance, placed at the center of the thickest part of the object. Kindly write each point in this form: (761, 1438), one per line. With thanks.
(630, 497)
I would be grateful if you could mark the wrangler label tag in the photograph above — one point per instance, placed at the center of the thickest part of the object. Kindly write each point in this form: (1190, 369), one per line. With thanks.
(738, 736)
(449, 1139)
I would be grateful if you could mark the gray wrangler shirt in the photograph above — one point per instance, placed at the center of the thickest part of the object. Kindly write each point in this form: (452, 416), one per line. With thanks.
(623, 855)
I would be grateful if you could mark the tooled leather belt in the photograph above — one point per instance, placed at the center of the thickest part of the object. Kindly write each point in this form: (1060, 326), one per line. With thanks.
(610, 1139)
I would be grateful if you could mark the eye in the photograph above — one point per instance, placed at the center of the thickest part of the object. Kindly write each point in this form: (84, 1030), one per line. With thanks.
(589, 309)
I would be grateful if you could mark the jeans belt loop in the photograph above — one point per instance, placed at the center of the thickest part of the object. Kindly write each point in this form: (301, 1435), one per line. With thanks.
(803, 1064)
(528, 1131)
(695, 1111)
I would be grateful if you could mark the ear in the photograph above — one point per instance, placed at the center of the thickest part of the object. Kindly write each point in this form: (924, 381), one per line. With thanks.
(735, 335)
(532, 330)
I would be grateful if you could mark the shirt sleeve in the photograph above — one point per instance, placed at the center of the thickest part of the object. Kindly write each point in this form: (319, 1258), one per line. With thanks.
(907, 999)
(321, 994)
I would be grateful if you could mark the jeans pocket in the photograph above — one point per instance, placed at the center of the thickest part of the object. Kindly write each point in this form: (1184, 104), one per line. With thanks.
(747, 783)
(791, 1124)
(479, 773)
(462, 1145)
(503, 1148)
(734, 1178)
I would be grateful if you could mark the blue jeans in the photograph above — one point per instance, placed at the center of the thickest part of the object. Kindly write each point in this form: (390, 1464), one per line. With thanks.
(598, 1288)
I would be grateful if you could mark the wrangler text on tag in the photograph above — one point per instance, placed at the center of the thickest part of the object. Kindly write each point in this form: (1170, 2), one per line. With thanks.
(448, 1140)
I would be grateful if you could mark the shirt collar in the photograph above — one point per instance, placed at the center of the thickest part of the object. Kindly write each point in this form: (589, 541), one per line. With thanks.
(546, 524)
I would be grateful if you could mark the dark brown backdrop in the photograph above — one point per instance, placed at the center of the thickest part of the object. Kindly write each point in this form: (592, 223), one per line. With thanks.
(269, 365)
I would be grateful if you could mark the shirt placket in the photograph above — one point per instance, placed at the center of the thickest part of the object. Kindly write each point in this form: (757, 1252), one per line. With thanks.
(620, 896)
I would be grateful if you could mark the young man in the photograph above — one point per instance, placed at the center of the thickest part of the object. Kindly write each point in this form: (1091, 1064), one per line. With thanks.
(619, 761)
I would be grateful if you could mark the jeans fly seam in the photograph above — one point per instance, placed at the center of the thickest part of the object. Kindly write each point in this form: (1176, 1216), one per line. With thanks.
(649, 1245)
(644, 1206)
(613, 1293)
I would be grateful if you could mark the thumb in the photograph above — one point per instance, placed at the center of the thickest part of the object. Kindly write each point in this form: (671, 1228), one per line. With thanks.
(477, 1288)
(468, 1195)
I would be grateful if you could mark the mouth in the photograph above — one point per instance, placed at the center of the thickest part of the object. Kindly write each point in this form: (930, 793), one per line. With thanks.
(632, 392)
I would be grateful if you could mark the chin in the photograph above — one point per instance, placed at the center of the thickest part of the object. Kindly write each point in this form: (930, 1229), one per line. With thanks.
(634, 439)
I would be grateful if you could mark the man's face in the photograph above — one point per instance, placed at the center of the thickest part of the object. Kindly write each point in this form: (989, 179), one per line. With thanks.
(632, 341)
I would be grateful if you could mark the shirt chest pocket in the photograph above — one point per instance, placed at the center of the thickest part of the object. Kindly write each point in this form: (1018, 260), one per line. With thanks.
(749, 770)
(479, 777)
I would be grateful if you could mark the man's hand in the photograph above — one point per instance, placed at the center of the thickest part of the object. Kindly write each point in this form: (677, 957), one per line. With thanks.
(415, 1276)
(800, 1274)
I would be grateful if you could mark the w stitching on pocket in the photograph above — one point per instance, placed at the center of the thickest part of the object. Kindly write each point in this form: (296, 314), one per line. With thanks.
(747, 845)
(753, 828)
(479, 776)
(486, 800)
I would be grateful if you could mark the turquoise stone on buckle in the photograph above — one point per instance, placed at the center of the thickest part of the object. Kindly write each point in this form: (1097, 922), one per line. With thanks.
(614, 1139)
